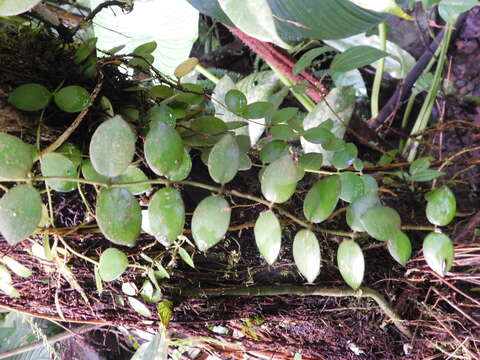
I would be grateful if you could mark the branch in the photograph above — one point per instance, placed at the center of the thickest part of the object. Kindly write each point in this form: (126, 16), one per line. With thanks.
(276, 290)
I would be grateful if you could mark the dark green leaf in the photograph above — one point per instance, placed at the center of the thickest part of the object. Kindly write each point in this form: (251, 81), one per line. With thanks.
(441, 206)
(224, 160)
(236, 101)
(162, 113)
(184, 170)
(352, 186)
(257, 110)
(72, 153)
(133, 174)
(72, 99)
(283, 132)
(146, 48)
(381, 222)
(356, 57)
(209, 125)
(284, 115)
(426, 175)
(30, 97)
(311, 161)
(345, 157)
(119, 216)
(272, 151)
(318, 135)
(322, 199)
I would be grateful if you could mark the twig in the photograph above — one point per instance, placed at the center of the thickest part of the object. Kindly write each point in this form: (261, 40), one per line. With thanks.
(363, 292)
(122, 4)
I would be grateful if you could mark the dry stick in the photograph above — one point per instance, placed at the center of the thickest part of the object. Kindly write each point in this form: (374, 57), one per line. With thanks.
(363, 292)
(404, 90)
(52, 340)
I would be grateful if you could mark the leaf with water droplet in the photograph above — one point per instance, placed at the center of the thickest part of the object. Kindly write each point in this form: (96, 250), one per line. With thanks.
(20, 213)
(119, 216)
(16, 157)
(351, 263)
(112, 147)
(306, 253)
(268, 236)
(210, 222)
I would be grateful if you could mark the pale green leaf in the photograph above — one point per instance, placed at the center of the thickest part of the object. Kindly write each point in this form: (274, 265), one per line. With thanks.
(139, 307)
(322, 199)
(279, 180)
(441, 206)
(381, 222)
(224, 160)
(439, 252)
(351, 263)
(112, 264)
(58, 165)
(133, 174)
(16, 157)
(268, 236)
(16, 7)
(306, 254)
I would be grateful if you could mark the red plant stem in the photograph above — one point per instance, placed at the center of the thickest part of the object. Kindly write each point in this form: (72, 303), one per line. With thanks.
(283, 62)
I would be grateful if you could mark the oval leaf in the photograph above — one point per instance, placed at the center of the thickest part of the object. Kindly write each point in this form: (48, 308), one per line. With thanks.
(268, 236)
(112, 264)
(400, 248)
(30, 97)
(163, 148)
(140, 308)
(119, 216)
(359, 207)
(90, 174)
(54, 164)
(184, 170)
(381, 222)
(16, 7)
(322, 199)
(224, 160)
(112, 147)
(439, 252)
(16, 157)
(356, 57)
(306, 253)
(352, 186)
(351, 263)
(279, 180)
(20, 213)
(166, 215)
(441, 206)
(210, 222)
(72, 99)
(133, 174)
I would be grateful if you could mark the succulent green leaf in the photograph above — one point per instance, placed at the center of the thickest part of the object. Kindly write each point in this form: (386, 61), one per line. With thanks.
(400, 247)
(370, 184)
(439, 252)
(268, 236)
(272, 151)
(162, 113)
(72, 99)
(243, 142)
(133, 174)
(90, 174)
(58, 165)
(119, 216)
(441, 206)
(146, 48)
(306, 254)
(184, 170)
(352, 186)
(72, 153)
(186, 257)
(311, 161)
(322, 199)
(30, 97)
(345, 157)
(16, 157)
(20, 213)
(112, 147)
(359, 207)
(209, 125)
(112, 264)
(210, 222)
(381, 222)
(164, 149)
(279, 180)
(236, 101)
(166, 214)
(224, 160)
(351, 263)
